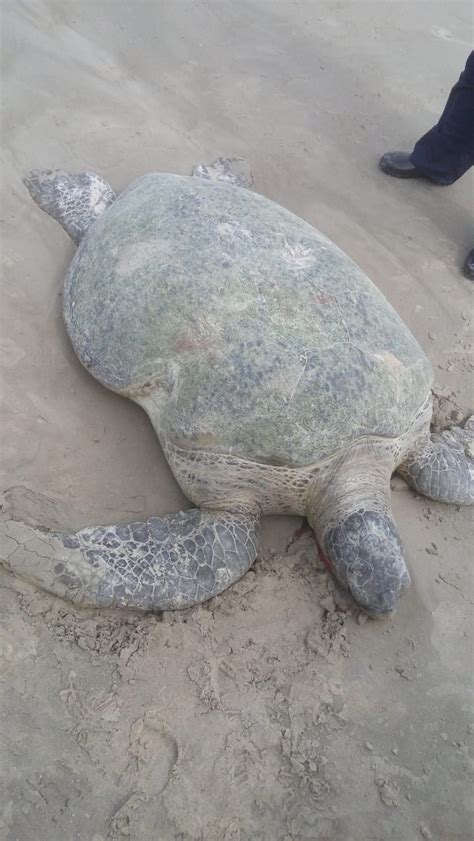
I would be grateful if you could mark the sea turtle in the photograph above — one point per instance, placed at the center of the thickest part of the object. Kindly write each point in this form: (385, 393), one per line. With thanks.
(277, 377)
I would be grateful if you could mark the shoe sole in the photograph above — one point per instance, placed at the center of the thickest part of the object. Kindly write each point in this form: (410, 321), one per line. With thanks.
(400, 173)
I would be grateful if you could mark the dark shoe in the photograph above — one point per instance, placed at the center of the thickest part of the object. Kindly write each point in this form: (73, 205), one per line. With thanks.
(398, 164)
(468, 268)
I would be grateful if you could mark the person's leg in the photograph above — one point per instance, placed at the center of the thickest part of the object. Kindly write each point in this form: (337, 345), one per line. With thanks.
(468, 268)
(445, 152)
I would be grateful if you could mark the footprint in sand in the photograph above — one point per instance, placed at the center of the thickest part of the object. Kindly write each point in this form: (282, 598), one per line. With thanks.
(153, 754)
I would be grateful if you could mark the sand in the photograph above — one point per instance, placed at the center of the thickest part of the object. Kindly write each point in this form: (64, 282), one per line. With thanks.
(273, 713)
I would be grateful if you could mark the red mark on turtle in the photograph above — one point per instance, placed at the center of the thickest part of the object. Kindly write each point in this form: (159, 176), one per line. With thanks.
(324, 299)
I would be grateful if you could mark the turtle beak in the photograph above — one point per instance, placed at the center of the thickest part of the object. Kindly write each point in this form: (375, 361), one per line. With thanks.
(381, 607)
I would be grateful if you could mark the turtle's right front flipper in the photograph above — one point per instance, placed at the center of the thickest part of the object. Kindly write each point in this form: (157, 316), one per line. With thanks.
(75, 201)
(442, 468)
(165, 563)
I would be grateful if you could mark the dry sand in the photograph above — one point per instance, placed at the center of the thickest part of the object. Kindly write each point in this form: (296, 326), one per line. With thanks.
(269, 714)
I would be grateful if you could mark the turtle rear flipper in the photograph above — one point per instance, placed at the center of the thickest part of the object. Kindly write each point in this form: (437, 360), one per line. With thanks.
(234, 171)
(75, 201)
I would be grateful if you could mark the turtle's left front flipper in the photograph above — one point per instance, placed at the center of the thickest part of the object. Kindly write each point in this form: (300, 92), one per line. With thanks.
(165, 563)
(74, 200)
(442, 467)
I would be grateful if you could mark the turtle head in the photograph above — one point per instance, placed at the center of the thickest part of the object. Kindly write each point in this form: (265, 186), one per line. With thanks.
(364, 552)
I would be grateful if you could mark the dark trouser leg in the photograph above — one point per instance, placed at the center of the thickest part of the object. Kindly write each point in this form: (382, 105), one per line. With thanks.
(446, 151)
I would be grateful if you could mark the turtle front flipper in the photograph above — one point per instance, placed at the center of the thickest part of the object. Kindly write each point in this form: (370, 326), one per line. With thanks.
(165, 563)
(75, 201)
(442, 467)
